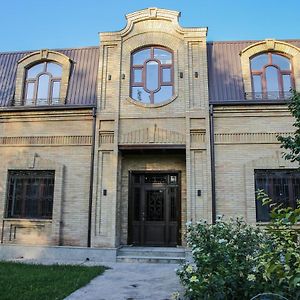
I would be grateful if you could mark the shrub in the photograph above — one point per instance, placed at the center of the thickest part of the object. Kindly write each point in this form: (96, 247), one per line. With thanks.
(233, 260)
(279, 263)
(224, 260)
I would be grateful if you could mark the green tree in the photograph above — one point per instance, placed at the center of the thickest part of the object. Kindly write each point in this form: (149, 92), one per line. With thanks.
(292, 143)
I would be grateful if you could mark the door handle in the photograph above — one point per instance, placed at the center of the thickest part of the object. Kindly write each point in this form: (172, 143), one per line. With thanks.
(143, 216)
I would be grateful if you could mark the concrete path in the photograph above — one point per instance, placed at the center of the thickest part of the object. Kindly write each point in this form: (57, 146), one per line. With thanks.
(131, 281)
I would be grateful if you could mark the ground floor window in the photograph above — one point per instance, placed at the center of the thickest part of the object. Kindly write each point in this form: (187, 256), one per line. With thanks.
(282, 186)
(30, 194)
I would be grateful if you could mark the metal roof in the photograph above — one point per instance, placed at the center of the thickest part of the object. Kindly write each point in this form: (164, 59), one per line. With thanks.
(224, 72)
(224, 69)
(83, 77)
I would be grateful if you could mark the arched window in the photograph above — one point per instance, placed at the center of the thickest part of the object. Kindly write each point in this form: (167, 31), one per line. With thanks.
(42, 84)
(271, 76)
(152, 75)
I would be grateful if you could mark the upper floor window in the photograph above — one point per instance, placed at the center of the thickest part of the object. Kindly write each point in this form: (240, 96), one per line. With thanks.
(272, 76)
(152, 75)
(43, 84)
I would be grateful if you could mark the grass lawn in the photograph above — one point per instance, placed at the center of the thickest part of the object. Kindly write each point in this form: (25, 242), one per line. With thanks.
(23, 281)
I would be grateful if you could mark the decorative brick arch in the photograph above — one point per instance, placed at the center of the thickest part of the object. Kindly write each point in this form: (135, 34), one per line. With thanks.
(269, 45)
(41, 56)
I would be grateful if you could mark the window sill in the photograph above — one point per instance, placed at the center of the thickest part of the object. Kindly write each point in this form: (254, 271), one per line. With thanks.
(27, 220)
(149, 105)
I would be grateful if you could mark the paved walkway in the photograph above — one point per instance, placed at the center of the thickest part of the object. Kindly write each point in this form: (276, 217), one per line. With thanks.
(131, 281)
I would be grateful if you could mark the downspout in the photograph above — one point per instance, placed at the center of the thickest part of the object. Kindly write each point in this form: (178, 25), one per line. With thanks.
(91, 179)
(212, 163)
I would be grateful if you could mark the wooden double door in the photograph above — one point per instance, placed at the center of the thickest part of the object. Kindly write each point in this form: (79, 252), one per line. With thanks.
(154, 209)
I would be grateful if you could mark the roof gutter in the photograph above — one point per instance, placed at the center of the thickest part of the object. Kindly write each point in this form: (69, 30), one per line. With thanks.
(91, 179)
(212, 163)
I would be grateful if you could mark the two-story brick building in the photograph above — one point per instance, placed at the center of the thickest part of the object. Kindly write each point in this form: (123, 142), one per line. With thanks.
(122, 144)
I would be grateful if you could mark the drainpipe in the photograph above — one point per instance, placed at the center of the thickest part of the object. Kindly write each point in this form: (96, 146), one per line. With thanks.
(91, 179)
(212, 163)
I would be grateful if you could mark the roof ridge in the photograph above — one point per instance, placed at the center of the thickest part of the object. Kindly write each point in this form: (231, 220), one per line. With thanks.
(249, 41)
(56, 49)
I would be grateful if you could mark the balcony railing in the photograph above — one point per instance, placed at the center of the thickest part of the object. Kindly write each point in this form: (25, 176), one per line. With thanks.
(37, 102)
(274, 95)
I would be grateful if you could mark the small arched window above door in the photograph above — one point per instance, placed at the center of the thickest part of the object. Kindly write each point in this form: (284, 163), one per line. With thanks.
(152, 75)
(272, 76)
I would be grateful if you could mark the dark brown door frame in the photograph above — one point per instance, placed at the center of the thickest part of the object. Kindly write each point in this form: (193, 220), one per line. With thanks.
(130, 200)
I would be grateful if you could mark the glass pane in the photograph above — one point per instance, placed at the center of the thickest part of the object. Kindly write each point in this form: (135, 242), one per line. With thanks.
(35, 70)
(136, 204)
(164, 56)
(29, 93)
(165, 93)
(139, 94)
(272, 79)
(173, 208)
(166, 75)
(257, 83)
(139, 57)
(155, 201)
(287, 85)
(137, 75)
(259, 61)
(154, 178)
(282, 62)
(152, 75)
(55, 92)
(43, 89)
(262, 211)
(54, 69)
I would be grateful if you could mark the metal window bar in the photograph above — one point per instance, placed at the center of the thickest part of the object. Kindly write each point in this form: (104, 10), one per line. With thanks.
(30, 194)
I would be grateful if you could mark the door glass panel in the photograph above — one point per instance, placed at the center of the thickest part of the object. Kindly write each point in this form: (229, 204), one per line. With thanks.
(173, 208)
(155, 205)
(155, 178)
(152, 75)
(136, 204)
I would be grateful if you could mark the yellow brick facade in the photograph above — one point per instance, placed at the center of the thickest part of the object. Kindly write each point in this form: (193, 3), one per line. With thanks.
(126, 132)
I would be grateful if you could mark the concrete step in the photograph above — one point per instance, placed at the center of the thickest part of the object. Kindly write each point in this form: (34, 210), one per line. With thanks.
(152, 251)
(151, 255)
(150, 259)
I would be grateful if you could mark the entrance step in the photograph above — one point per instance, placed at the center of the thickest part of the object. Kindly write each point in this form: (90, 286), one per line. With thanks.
(151, 255)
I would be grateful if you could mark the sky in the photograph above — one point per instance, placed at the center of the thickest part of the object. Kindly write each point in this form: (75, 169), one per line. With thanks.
(54, 24)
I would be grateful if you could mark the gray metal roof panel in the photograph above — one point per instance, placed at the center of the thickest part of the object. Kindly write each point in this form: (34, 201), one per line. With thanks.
(224, 69)
(82, 89)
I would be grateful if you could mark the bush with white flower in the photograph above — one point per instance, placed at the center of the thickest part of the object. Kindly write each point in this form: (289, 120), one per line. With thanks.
(234, 260)
(224, 264)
